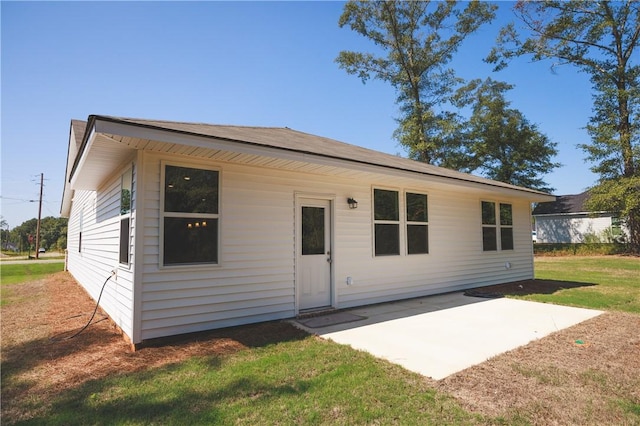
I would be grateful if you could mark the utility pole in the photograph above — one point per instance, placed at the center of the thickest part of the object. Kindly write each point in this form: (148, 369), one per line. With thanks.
(39, 215)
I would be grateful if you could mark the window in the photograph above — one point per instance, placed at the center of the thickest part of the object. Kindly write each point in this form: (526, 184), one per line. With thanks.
(190, 216)
(493, 224)
(125, 215)
(81, 226)
(506, 227)
(489, 229)
(616, 229)
(313, 233)
(417, 224)
(386, 219)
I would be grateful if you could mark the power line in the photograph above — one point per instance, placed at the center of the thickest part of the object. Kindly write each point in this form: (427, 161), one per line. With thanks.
(18, 199)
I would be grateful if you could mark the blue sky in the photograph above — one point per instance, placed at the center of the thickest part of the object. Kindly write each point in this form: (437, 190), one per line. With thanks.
(245, 63)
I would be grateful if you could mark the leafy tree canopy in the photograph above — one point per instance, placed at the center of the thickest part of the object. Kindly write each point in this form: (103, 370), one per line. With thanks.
(418, 39)
(501, 142)
(53, 232)
(601, 39)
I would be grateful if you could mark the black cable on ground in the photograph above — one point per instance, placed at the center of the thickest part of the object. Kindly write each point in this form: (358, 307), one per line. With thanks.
(94, 311)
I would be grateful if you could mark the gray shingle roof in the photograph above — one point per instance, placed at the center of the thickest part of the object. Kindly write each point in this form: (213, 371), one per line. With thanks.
(292, 140)
(564, 204)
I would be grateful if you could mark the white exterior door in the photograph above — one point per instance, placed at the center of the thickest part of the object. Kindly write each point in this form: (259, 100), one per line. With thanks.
(313, 279)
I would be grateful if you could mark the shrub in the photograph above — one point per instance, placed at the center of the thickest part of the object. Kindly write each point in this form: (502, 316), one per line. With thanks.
(578, 249)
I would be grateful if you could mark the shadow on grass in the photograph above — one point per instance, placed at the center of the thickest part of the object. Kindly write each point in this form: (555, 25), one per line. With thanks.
(104, 340)
(250, 336)
(525, 288)
(186, 393)
(100, 353)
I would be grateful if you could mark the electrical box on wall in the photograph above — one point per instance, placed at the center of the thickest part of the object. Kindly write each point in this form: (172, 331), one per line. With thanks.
(349, 280)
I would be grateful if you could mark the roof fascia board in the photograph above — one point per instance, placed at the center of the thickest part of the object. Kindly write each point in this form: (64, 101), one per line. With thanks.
(135, 130)
(89, 137)
(65, 204)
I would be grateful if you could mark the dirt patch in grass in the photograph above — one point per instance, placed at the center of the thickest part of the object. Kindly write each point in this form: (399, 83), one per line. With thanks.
(587, 374)
(38, 359)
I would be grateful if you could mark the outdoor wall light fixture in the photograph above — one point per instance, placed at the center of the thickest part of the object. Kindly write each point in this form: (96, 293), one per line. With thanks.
(353, 204)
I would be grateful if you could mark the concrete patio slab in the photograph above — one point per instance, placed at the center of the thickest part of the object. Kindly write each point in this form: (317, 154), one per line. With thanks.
(437, 336)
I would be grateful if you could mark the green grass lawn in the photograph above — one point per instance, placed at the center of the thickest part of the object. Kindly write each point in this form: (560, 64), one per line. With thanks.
(308, 381)
(611, 282)
(302, 382)
(19, 273)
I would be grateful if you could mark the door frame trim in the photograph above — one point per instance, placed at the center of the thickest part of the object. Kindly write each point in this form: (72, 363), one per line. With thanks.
(299, 198)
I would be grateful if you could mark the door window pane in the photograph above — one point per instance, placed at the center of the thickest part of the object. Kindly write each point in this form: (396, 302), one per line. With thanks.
(312, 230)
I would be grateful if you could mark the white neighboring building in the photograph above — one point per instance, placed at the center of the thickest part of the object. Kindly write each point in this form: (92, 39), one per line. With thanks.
(207, 226)
(566, 220)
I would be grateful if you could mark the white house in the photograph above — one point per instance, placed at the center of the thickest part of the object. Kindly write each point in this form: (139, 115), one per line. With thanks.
(567, 220)
(208, 226)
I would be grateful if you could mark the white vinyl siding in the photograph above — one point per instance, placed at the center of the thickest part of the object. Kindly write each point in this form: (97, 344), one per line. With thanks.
(570, 228)
(98, 212)
(255, 280)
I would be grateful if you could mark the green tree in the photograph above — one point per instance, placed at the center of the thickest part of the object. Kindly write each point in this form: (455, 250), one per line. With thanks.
(501, 142)
(599, 38)
(418, 39)
(53, 231)
(20, 233)
(4, 232)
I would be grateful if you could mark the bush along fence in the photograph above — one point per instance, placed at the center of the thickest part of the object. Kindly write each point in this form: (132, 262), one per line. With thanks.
(578, 249)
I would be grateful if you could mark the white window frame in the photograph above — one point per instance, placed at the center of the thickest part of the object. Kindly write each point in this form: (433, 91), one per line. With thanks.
(387, 222)
(498, 226)
(163, 214)
(501, 226)
(408, 222)
(80, 227)
(126, 216)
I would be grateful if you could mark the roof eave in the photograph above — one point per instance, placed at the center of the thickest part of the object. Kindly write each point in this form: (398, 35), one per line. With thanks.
(94, 120)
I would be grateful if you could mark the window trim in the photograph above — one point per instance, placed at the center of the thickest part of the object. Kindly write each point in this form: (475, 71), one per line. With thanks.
(498, 226)
(126, 216)
(163, 214)
(407, 222)
(505, 226)
(403, 223)
(386, 221)
(80, 228)
(493, 226)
